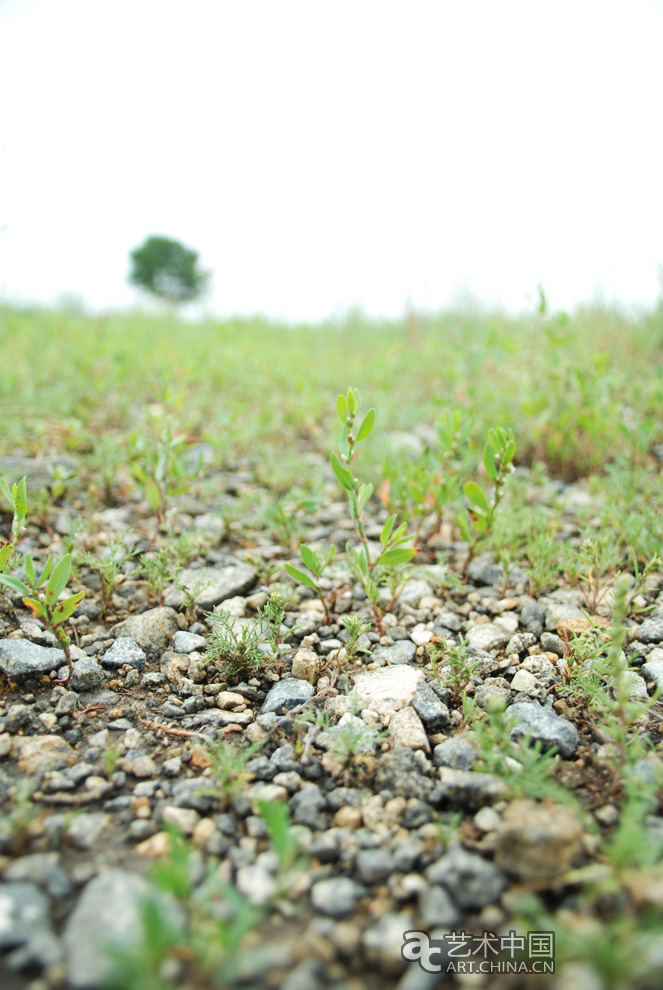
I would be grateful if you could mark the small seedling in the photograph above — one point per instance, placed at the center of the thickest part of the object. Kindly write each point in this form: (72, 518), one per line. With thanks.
(236, 648)
(458, 668)
(316, 565)
(45, 606)
(16, 498)
(355, 628)
(392, 537)
(271, 617)
(475, 523)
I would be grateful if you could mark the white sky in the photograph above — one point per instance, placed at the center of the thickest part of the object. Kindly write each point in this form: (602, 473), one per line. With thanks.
(322, 154)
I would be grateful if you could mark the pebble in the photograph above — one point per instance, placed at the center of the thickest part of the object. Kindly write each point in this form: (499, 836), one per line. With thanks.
(400, 652)
(545, 727)
(468, 789)
(38, 754)
(534, 840)
(489, 636)
(287, 694)
(387, 688)
(151, 630)
(651, 631)
(430, 708)
(456, 753)
(20, 657)
(472, 881)
(406, 729)
(399, 772)
(653, 671)
(87, 675)
(125, 650)
(337, 896)
(213, 584)
(25, 926)
(187, 642)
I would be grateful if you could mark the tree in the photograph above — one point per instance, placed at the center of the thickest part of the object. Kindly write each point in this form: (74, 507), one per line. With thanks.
(167, 269)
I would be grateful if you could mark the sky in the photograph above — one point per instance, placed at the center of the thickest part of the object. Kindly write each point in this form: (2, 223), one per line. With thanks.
(324, 155)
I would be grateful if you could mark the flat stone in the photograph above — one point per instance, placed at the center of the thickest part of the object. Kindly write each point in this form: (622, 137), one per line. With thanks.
(337, 896)
(38, 754)
(490, 636)
(653, 671)
(472, 881)
(20, 657)
(287, 694)
(25, 926)
(125, 650)
(399, 652)
(85, 829)
(545, 727)
(387, 688)
(456, 753)
(214, 584)
(523, 681)
(437, 907)
(415, 590)
(651, 631)
(398, 771)
(152, 630)
(186, 642)
(306, 666)
(406, 729)
(38, 471)
(430, 709)
(534, 840)
(520, 643)
(556, 611)
(87, 675)
(468, 789)
(108, 913)
(42, 869)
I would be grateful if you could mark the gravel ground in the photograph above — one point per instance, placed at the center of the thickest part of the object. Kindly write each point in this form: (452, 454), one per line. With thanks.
(403, 833)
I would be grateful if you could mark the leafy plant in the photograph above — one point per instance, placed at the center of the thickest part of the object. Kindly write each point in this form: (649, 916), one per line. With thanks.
(158, 465)
(16, 499)
(475, 523)
(45, 605)
(316, 565)
(109, 567)
(236, 647)
(457, 666)
(392, 537)
(355, 627)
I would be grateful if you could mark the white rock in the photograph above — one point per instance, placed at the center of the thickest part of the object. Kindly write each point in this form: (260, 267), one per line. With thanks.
(387, 688)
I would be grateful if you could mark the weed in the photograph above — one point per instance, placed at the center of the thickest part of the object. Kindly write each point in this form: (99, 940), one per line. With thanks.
(236, 645)
(316, 565)
(109, 567)
(229, 766)
(475, 523)
(271, 618)
(355, 627)
(17, 500)
(158, 464)
(457, 666)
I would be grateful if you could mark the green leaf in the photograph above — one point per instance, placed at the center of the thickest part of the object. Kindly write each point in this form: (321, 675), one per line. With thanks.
(30, 570)
(366, 426)
(510, 451)
(341, 410)
(476, 495)
(330, 557)
(343, 444)
(37, 608)
(310, 558)
(386, 530)
(65, 608)
(9, 498)
(152, 494)
(299, 576)
(14, 584)
(57, 582)
(350, 400)
(21, 499)
(400, 555)
(45, 572)
(276, 816)
(5, 553)
(342, 473)
(489, 462)
(363, 495)
(479, 522)
(464, 526)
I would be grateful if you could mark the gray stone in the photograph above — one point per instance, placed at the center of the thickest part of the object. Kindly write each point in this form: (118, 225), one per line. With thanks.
(213, 584)
(436, 907)
(152, 630)
(38, 471)
(545, 727)
(400, 773)
(387, 688)
(448, 620)
(108, 913)
(86, 828)
(124, 650)
(42, 869)
(382, 943)
(456, 753)
(520, 643)
(487, 695)
(552, 643)
(651, 631)
(337, 896)
(349, 728)
(287, 694)
(489, 636)
(20, 657)
(398, 653)
(414, 590)
(430, 709)
(653, 671)
(186, 642)
(374, 865)
(87, 675)
(556, 611)
(25, 927)
(472, 881)
(468, 789)
(406, 729)
(532, 612)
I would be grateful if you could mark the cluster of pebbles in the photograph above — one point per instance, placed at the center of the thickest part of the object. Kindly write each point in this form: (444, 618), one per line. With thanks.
(119, 754)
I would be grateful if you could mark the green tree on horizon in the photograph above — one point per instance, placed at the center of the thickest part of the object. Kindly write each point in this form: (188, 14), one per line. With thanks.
(167, 269)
